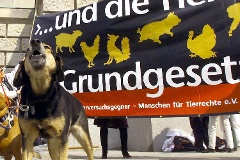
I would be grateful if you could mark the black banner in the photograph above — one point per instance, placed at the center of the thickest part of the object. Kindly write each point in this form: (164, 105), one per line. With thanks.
(142, 57)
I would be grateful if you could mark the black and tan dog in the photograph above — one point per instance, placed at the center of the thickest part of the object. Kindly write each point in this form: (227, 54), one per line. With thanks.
(53, 112)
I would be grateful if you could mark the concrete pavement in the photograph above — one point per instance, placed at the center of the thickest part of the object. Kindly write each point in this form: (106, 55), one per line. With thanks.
(113, 155)
(116, 154)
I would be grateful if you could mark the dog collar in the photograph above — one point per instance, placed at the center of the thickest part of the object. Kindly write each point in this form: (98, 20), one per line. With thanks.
(44, 99)
(30, 102)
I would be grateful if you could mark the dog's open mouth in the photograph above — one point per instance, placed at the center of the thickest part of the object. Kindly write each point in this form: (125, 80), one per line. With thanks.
(37, 59)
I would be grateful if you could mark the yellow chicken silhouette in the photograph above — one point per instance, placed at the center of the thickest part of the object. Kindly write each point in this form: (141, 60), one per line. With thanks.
(114, 52)
(90, 52)
(67, 40)
(234, 13)
(154, 30)
(202, 44)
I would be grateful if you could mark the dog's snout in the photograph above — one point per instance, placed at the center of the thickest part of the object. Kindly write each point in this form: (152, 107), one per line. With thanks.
(35, 42)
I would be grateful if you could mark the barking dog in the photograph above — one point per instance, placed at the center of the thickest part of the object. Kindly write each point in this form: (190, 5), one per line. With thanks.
(53, 113)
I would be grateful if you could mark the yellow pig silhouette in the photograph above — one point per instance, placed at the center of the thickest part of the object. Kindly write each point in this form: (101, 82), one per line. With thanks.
(154, 30)
(234, 13)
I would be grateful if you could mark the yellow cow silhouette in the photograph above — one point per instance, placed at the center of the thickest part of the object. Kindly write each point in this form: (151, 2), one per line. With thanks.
(154, 30)
(67, 40)
(114, 52)
(234, 12)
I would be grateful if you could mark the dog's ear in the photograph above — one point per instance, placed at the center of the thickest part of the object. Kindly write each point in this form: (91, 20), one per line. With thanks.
(21, 76)
(59, 72)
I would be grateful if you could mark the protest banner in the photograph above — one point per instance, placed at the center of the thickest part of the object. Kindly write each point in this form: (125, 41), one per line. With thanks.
(147, 58)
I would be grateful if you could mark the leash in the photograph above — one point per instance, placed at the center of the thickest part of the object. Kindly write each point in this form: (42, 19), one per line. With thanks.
(1, 79)
(9, 116)
(11, 110)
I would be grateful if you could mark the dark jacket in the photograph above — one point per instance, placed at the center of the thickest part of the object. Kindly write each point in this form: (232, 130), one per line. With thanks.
(111, 122)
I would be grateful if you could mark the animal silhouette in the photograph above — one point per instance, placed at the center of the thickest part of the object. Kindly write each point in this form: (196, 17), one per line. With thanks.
(114, 52)
(67, 40)
(234, 13)
(154, 30)
(90, 52)
(202, 44)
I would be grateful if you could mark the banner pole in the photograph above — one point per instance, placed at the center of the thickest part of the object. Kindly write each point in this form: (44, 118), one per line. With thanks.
(38, 11)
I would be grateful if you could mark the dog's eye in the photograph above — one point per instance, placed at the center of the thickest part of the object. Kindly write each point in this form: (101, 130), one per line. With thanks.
(46, 47)
(27, 49)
